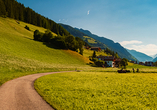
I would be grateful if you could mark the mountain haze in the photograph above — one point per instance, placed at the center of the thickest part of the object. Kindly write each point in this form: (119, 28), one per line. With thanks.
(140, 56)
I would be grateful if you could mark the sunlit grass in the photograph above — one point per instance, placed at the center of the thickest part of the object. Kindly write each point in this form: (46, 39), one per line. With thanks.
(99, 90)
(89, 52)
(21, 55)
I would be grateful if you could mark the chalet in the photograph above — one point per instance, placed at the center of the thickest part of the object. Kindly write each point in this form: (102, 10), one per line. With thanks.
(117, 61)
(110, 60)
(132, 61)
(149, 63)
(87, 47)
(96, 48)
(141, 63)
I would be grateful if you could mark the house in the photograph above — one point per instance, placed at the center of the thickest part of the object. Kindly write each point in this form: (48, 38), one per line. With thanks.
(149, 63)
(117, 61)
(110, 61)
(141, 63)
(132, 61)
(96, 48)
(87, 47)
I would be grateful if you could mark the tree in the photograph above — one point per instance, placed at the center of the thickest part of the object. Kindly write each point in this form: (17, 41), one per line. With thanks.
(2, 9)
(94, 55)
(80, 44)
(116, 55)
(70, 41)
(47, 36)
(155, 63)
(37, 35)
(123, 63)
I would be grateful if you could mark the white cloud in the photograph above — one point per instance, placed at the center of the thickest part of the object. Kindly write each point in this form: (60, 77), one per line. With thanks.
(123, 43)
(150, 49)
(59, 19)
(88, 12)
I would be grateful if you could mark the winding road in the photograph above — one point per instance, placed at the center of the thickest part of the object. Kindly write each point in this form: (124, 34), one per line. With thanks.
(19, 94)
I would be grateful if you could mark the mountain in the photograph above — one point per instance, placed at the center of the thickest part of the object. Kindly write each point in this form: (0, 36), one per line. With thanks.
(85, 37)
(97, 41)
(154, 56)
(116, 47)
(140, 56)
(155, 59)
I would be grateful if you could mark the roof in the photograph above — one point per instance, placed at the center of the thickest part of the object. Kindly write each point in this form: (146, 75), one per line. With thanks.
(118, 59)
(107, 58)
(95, 47)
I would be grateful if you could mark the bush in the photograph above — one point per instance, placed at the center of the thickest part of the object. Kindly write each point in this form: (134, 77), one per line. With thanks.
(26, 27)
(38, 35)
(47, 36)
(99, 63)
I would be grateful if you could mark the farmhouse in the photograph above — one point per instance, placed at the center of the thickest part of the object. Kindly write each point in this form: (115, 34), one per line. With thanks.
(141, 63)
(117, 61)
(111, 61)
(96, 48)
(149, 63)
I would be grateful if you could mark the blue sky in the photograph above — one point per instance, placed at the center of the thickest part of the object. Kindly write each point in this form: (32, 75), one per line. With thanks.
(132, 23)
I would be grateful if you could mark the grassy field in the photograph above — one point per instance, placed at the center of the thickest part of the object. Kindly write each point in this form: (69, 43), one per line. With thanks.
(21, 55)
(88, 53)
(99, 91)
(90, 40)
(94, 88)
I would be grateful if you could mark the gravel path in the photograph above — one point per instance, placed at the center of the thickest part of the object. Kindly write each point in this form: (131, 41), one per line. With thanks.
(19, 94)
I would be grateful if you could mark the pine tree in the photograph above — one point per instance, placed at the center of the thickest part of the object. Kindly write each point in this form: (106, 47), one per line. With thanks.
(94, 55)
(2, 8)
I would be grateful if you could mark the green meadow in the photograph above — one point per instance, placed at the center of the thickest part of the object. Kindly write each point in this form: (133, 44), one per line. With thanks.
(20, 55)
(99, 91)
(92, 88)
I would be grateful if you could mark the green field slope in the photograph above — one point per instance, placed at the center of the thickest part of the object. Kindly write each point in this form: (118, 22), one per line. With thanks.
(21, 55)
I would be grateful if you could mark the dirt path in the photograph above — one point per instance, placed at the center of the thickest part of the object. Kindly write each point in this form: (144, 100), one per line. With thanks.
(19, 94)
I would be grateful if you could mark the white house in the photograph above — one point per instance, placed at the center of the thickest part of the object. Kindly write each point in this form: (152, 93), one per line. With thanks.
(111, 61)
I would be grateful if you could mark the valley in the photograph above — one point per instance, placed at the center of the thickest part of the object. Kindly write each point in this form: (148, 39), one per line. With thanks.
(75, 68)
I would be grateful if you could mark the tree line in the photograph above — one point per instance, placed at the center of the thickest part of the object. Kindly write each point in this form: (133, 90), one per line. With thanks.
(15, 10)
(108, 51)
(61, 42)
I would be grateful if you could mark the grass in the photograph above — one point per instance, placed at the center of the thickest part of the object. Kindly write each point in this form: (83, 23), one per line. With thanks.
(95, 88)
(87, 53)
(90, 40)
(21, 55)
(99, 90)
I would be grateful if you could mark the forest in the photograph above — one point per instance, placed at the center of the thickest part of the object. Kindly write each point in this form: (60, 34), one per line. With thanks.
(15, 10)
(63, 40)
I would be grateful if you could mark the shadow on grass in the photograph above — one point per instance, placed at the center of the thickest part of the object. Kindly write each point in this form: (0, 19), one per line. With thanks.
(52, 46)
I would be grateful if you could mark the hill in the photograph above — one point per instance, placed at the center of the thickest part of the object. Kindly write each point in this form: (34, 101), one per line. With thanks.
(140, 56)
(85, 37)
(97, 41)
(116, 47)
(21, 55)
(155, 59)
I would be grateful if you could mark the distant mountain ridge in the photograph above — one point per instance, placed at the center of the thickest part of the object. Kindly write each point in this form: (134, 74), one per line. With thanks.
(99, 41)
(116, 47)
(77, 33)
(154, 56)
(140, 56)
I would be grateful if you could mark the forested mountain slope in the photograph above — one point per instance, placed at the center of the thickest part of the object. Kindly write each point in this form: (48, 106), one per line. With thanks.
(97, 41)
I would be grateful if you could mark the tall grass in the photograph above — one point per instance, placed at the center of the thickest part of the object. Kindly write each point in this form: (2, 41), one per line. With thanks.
(99, 91)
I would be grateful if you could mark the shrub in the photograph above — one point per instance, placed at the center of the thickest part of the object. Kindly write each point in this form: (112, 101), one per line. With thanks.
(38, 35)
(26, 27)
(100, 63)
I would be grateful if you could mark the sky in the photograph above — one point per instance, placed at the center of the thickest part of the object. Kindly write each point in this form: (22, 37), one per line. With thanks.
(132, 23)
